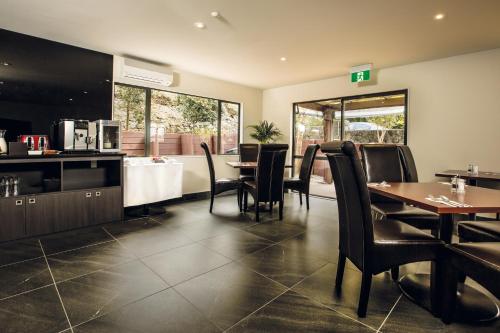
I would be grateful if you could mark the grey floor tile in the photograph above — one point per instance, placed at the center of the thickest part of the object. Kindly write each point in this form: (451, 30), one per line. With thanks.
(24, 276)
(96, 294)
(228, 294)
(185, 262)
(163, 312)
(291, 312)
(37, 311)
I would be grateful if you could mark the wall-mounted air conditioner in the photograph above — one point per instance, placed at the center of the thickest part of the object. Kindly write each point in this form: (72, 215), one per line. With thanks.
(143, 73)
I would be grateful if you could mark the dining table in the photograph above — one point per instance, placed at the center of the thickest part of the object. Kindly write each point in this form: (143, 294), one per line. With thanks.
(246, 165)
(472, 179)
(473, 304)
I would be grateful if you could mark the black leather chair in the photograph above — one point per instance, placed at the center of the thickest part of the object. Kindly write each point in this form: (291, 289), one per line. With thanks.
(479, 231)
(268, 183)
(301, 184)
(249, 152)
(372, 247)
(392, 163)
(479, 261)
(218, 186)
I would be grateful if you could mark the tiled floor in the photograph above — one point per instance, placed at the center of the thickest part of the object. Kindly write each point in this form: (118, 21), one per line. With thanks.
(191, 271)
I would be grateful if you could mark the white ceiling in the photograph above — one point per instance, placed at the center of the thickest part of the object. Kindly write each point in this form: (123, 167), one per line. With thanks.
(320, 38)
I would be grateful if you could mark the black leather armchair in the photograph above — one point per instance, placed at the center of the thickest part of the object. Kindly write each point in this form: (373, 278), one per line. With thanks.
(372, 247)
(392, 163)
(249, 152)
(218, 186)
(301, 184)
(268, 184)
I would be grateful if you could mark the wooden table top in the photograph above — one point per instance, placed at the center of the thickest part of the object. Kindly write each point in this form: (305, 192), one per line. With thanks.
(242, 165)
(246, 165)
(482, 200)
(481, 175)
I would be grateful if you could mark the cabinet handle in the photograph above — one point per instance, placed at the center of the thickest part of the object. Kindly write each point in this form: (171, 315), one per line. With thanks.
(97, 194)
(19, 202)
(31, 200)
(88, 195)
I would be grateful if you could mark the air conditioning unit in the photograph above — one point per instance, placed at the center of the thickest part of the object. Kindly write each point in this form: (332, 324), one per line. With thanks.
(145, 73)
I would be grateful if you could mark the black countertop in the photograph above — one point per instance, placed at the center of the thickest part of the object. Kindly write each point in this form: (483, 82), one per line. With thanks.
(61, 156)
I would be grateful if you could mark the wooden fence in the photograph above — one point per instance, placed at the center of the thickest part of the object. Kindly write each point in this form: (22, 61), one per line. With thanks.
(133, 144)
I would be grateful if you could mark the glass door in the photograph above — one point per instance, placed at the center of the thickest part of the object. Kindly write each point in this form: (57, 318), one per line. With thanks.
(314, 123)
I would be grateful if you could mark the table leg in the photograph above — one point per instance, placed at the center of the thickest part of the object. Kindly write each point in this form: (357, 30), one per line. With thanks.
(425, 289)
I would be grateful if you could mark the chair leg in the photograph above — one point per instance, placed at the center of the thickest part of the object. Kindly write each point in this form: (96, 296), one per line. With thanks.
(211, 201)
(280, 203)
(245, 201)
(364, 294)
(395, 273)
(340, 273)
(271, 204)
(239, 199)
(300, 197)
(449, 294)
(307, 200)
(461, 277)
(256, 211)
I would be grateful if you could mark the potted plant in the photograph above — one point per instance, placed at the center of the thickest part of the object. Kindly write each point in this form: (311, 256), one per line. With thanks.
(265, 132)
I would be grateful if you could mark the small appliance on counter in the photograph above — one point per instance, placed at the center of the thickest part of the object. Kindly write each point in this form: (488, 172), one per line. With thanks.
(3, 143)
(108, 136)
(75, 135)
(36, 143)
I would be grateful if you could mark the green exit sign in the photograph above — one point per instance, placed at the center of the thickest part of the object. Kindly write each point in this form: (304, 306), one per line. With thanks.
(361, 73)
(360, 76)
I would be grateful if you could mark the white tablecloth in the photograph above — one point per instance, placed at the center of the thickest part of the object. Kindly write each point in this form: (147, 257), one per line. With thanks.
(147, 182)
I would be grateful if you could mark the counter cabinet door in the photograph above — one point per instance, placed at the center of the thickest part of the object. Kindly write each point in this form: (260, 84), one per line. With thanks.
(108, 205)
(12, 218)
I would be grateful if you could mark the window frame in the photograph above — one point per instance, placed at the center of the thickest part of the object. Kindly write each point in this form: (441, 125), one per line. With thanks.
(147, 117)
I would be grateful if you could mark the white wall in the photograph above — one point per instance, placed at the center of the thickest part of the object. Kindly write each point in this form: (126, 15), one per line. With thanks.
(453, 114)
(196, 176)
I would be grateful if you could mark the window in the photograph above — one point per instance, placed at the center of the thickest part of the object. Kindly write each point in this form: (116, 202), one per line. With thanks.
(130, 108)
(177, 123)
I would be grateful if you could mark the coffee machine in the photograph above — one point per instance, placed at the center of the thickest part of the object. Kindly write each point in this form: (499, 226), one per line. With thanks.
(75, 135)
(108, 136)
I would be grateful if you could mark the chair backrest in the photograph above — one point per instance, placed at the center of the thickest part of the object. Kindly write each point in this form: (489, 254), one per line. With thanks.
(211, 169)
(353, 200)
(270, 172)
(249, 152)
(408, 162)
(381, 162)
(308, 162)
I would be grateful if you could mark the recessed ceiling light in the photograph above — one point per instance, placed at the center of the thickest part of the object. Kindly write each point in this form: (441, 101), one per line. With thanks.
(85, 92)
(283, 58)
(439, 16)
(5, 63)
(70, 99)
(199, 25)
(215, 14)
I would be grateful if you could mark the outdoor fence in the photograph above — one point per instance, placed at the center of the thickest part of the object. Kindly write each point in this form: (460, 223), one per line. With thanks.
(133, 143)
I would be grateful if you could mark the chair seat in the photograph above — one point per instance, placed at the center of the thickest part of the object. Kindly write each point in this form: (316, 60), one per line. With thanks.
(245, 178)
(250, 184)
(397, 243)
(479, 231)
(487, 254)
(393, 231)
(226, 184)
(293, 183)
(417, 217)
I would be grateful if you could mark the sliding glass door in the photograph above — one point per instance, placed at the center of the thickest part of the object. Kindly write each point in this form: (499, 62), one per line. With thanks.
(374, 118)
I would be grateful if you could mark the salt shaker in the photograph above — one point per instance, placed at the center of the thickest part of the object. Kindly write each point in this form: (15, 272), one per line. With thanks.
(454, 183)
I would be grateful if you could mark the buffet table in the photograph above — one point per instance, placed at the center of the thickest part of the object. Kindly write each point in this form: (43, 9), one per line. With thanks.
(148, 182)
